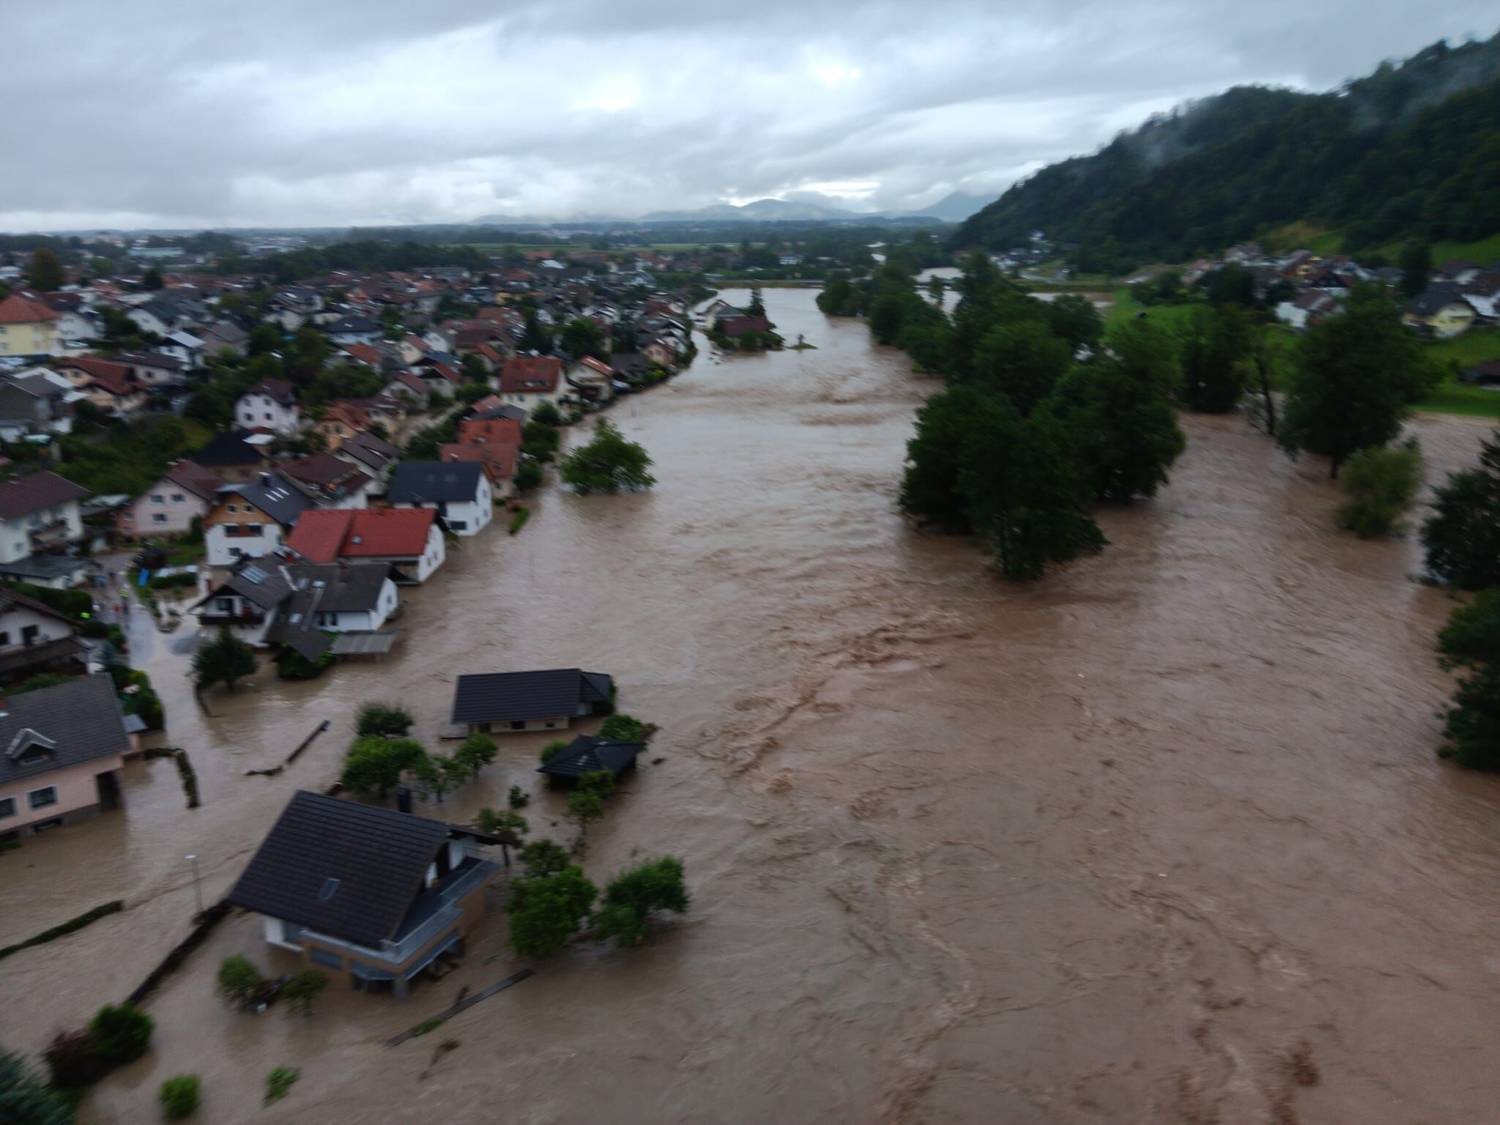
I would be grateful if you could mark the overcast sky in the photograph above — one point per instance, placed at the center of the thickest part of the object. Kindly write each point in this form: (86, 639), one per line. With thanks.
(318, 112)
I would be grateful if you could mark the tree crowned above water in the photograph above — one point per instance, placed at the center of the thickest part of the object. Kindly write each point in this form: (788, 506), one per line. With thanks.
(609, 463)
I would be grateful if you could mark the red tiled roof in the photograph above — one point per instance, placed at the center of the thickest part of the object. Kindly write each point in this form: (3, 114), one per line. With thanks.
(113, 377)
(20, 308)
(535, 373)
(327, 534)
(489, 431)
(364, 353)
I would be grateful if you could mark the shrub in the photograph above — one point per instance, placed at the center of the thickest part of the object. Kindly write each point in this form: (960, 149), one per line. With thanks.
(553, 749)
(74, 1061)
(1381, 485)
(547, 414)
(122, 1033)
(279, 1082)
(226, 659)
(630, 899)
(179, 1097)
(1462, 536)
(623, 728)
(518, 521)
(239, 981)
(174, 581)
(518, 798)
(475, 752)
(292, 665)
(383, 719)
(303, 989)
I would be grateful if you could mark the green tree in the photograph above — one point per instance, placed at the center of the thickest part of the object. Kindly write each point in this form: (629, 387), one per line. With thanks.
(1462, 536)
(609, 463)
(1355, 377)
(757, 305)
(580, 336)
(546, 414)
(528, 476)
(534, 336)
(632, 897)
(179, 1096)
(505, 824)
(121, 1033)
(1022, 491)
(373, 766)
(1118, 413)
(1075, 319)
(1023, 360)
(239, 981)
(305, 986)
(224, 660)
(152, 280)
(1471, 641)
(44, 273)
(27, 1100)
(934, 458)
(475, 752)
(1416, 268)
(539, 441)
(1215, 358)
(388, 719)
(623, 728)
(1381, 485)
(436, 775)
(547, 910)
(543, 857)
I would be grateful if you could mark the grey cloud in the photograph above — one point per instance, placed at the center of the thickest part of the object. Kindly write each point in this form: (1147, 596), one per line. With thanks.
(333, 112)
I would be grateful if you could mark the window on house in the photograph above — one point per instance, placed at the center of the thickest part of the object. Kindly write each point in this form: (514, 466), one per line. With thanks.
(224, 605)
(41, 798)
(458, 525)
(29, 634)
(158, 498)
(4, 637)
(177, 497)
(158, 517)
(7, 807)
(518, 724)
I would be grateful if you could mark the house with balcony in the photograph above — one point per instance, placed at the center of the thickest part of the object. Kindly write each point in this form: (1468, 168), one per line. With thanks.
(40, 517)
(35, 638)
(373, 897)
(61, 752)
(250, 520)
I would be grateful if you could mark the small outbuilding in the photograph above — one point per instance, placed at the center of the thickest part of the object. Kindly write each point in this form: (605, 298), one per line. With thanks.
(501, 702)
(587, 754)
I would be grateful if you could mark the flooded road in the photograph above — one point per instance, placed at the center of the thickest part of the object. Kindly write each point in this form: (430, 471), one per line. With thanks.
(1161, 839)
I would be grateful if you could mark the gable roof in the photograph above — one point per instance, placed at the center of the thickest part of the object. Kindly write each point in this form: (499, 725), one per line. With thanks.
(369, 450)
(187, 475)
(274, 495)
(227, 449)
(503, 430)
(347, 870)
(530, 373)
(433, 482)
(36, 491)
(325, 534)
(326, 474)
(80, 718)
(21, 308)
(277, 390)
(514, 696)
(588, 754)
(13, 599)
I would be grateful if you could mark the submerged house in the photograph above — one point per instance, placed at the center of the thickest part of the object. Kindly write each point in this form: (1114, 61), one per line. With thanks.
(370, 896)
(587, 754)
(61, 752)
(500, 702)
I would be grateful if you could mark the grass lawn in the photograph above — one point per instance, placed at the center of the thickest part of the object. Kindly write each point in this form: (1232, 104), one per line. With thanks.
(1126, 307)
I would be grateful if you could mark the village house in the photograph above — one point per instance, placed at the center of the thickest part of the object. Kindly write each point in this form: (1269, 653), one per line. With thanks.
(1308, 307)
(106, 384)
(593, 379)
(61, 752)
(233, 456)
(588, 754)
(498, 462)
(1440, 310)
(459, 493)
(331, 481)
(374, 455)
(223, 336)
(39, 513)
(354, 330)
(35, 638)
(269, 405)
(154, 370)
(27, 326)
(371, 896)
(35, 402)
(168, 508)
(252, 519)
(408, 540)
(528, 380)
(505, 702)
(184, 347)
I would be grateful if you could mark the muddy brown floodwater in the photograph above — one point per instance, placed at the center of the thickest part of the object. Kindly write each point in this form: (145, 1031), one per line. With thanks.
(1160, 839)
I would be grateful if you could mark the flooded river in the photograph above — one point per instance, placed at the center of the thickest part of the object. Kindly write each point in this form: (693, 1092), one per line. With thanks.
(1161, 839)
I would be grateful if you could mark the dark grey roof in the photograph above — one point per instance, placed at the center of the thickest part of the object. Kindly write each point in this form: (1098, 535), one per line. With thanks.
(357, 325)
(229, 448)
(491, 697)
(45, 567)
(36, 491)
(151, 359)
(274, 495)
(587, 754)
(10, 598)
(347, 870)
(1435, 298)
(416, 482)
(262, 582)
(519, 413)
(78, 721)
(338, 587)
(370, 451)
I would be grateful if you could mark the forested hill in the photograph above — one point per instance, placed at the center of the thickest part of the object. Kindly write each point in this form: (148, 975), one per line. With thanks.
(1411, 151)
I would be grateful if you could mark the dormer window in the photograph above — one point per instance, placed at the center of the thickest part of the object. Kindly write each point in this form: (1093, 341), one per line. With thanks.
(30, 748)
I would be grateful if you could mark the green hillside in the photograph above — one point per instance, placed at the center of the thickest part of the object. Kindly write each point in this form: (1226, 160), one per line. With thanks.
(1411, 151)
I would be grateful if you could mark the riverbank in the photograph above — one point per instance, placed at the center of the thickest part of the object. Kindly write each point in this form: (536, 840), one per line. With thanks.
(1109, 848)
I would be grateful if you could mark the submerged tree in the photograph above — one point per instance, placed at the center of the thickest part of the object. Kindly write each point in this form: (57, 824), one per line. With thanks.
(609, 463)
(1462, 536)
(1215, 350)
(546, 910)
(634, 896)
(1381, 485)
(224, 660)
(1471, 641)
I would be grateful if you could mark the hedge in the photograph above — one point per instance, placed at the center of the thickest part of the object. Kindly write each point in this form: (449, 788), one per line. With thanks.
(65, 928)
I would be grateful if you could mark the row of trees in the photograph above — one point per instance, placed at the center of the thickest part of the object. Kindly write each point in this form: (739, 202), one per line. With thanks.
(383, 757)
(554, 901)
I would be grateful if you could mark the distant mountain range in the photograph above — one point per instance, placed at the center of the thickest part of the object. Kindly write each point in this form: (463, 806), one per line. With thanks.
(1410, 152)
(803, 207)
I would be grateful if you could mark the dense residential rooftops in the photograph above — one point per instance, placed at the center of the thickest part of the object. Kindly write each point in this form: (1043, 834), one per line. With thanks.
(36, 492)
(55, 727)
(417, 482)
(518, 696)
(347, 870)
